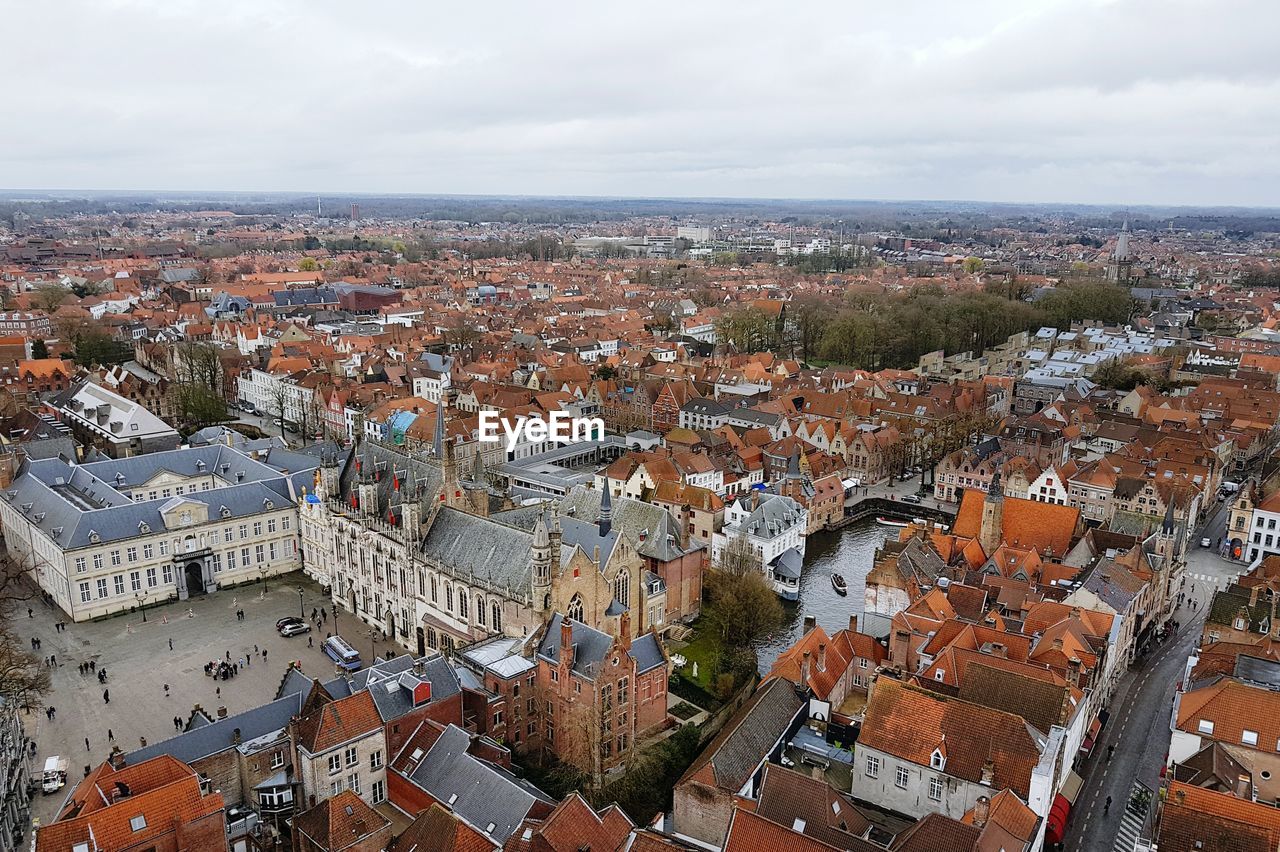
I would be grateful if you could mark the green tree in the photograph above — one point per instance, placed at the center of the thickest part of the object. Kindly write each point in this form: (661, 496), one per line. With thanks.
(972, 265)
(308, 264)
(39, 349)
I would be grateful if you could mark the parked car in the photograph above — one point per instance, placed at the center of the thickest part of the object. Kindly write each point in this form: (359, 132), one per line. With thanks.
(911, 498)
(289, 619)
(295, 628)
(1206, 542)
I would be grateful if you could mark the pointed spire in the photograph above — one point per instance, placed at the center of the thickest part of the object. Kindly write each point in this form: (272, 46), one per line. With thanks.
(540, 536)
(438, 443)
(606, 512)
(1169, 524)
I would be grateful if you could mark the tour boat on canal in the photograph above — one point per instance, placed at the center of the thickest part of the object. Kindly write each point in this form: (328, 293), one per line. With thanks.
(838, 583)
(891, 522)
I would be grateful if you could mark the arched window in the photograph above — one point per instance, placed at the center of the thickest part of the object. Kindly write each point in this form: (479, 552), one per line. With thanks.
(575, 608)
(462, 604)
(435, 598)
(622, 587)
(431, 638)
(496, 621)
(448, 597)
(480, 614)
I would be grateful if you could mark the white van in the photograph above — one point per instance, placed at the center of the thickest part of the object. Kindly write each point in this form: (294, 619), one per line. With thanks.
(55, 774)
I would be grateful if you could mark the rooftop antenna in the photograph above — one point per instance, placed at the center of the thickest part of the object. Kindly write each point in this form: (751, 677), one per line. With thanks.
(317, 207)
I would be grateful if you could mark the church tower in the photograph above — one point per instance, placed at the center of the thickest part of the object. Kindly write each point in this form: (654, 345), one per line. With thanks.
(540, 565)
(991, 533)
(1120, 269)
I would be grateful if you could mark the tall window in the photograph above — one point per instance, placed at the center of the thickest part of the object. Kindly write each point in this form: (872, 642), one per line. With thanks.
(622, 587)
(496, 621)
(480, 613)
(462, 604)
(575, 608)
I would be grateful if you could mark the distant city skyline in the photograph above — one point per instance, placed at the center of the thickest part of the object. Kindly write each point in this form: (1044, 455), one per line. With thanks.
(1131, 102)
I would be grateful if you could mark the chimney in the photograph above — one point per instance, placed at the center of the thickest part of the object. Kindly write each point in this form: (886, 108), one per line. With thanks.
(998, 650)
(988, 773)
(1253, 596)
(1242, 787)
(804, 670)
(624, 630)
(1073, 671)
(235, 737)
(822, 656)
(810, 621)
(981, 811)
(566, 642)
(853, 622)
(1057, 644)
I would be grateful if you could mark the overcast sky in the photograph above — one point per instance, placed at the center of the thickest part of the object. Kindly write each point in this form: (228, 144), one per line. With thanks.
(1124, 102)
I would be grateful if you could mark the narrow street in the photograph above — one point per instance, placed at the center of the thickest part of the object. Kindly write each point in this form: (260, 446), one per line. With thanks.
(1140, 712)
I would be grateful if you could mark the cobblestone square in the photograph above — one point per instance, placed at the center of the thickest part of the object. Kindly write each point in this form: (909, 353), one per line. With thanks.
(140, 663)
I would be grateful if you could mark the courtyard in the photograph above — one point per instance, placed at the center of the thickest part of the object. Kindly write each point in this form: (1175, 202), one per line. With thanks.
(140, 662)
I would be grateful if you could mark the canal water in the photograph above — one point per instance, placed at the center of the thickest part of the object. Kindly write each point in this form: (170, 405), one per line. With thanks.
(850, 552)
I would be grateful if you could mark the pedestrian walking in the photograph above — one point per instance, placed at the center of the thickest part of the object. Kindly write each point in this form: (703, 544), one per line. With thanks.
(239, 661)
(86, 744)
(248, 659)
(166, 690)
(1110, 750)
(170, 643)
(53, 660)
(218, 691)
(1107, 807)
(309, 644)
(33, 643)
(106, 696)
(264, 655)
(48, 712)
(228, 656)
(31, 613)
(92, 665)
(110, 736)
(255, 649)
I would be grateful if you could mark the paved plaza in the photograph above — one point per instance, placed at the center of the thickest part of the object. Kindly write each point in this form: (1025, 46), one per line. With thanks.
(139, 664)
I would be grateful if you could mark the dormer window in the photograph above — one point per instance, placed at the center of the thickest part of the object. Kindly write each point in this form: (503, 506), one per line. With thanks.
(144, 527)
(224, 511)
(1241, 624)
(938, 760)
(268, 505)
(94, 538)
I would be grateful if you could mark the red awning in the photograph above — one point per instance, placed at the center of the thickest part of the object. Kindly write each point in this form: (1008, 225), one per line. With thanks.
(1056, 824)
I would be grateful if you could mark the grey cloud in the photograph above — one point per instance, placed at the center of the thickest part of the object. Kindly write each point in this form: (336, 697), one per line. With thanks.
(1128, 101)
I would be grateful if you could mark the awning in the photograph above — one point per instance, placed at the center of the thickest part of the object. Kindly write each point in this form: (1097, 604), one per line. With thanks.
(1071, 787)
(1056, 822)
(1091, 737)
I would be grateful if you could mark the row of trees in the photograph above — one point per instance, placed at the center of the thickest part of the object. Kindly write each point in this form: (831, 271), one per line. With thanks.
(876, 330)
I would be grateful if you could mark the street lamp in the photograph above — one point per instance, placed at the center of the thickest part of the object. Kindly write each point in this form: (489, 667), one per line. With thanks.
(142, 605)
(262, 577)
(301, 612)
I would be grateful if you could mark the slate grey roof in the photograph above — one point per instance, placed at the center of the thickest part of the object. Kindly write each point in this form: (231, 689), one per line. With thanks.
(474, 547)
(220, 735)
(475, 789)
(632, 517)
(788, 564)
(391, 682)
(705, 407)
(774, 515)
(589, 646)
(748, 738)
(647, 653)
(69, 502)
(585, 535)
(305, 296)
